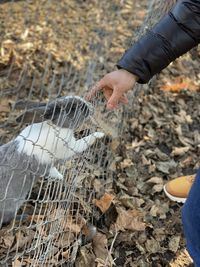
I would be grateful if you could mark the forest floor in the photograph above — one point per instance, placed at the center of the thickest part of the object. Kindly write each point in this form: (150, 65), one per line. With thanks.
(161, 134)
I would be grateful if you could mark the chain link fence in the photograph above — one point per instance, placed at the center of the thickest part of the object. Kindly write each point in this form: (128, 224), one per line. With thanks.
(51, 174)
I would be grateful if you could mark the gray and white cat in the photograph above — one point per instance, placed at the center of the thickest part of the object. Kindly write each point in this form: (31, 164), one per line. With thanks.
(36, 150)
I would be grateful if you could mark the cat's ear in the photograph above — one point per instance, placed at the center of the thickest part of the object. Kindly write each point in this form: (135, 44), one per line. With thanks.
(37, 114)
(26, 104)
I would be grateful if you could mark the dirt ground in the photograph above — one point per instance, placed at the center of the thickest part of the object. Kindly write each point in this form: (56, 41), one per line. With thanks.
(161, 126)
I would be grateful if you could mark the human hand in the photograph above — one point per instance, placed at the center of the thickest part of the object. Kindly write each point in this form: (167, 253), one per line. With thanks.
(115, 85)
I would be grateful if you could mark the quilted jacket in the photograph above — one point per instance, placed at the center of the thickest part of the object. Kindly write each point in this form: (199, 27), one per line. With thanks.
(174, 35)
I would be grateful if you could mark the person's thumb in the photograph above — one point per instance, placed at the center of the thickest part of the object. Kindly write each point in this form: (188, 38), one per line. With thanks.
(114, 99)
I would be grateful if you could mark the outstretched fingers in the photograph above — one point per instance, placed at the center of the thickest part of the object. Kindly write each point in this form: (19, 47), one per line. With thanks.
(115, 99)
(123, 100)
(97, 87)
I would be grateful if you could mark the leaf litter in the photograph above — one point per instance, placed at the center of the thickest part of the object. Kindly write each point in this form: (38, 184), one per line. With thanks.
(161, 140)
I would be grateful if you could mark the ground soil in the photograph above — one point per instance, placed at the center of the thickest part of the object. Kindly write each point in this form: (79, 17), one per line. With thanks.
(159, 119)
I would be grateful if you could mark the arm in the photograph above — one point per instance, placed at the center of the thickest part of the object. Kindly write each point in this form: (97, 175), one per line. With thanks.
(174, 35)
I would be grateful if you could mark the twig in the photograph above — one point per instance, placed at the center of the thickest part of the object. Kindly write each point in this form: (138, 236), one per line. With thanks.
(111, 248)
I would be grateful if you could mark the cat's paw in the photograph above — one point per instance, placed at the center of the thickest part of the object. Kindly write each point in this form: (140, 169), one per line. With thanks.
(59, 176)
(55, 174)
(98, 135)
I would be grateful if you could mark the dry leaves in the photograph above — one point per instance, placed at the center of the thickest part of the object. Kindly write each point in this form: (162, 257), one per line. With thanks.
(16, 263)
(5, 105)
(157, 184)
(86, 257)
(100, 247)
(131, 219)
(160, 136)
(179, 151)
(104, 202)
(174, 243)
(126, 163)
(186, 84)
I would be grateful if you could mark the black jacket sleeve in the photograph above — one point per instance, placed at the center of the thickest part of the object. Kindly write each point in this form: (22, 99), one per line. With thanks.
(174, 35)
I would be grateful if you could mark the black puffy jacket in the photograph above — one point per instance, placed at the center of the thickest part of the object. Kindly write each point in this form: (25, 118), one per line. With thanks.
(174, 35)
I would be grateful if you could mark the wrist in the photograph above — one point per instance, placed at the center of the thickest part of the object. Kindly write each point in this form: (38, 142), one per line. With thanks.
(129, 74)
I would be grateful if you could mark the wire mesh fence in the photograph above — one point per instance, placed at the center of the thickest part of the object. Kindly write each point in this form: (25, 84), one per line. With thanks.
(57, 154)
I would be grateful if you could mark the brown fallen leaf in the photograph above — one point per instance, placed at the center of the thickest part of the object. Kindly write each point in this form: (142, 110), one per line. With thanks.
(126, 163)
(4, 105)
(129, 201)
(152, 245)
(16, 263)
(181, 84)
(183, 255)
(104, 202)
(66, 254)
(69, 223)
(23, 238)
(157, 188)
(8, 239)
(179, 151)
(8, 44)
(131, 219)
(100, 247)
(135, 144)
(158, 184)
(166, 167)
(174, 243)
(176, 87)
(24, 35)
(114, 144)
(155, 180)
(86, 257)
(159, 209)
(25, 46)
(186, 162)
(66, 240)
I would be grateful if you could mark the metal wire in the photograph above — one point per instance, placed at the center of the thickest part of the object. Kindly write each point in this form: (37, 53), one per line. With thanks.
(50, 211)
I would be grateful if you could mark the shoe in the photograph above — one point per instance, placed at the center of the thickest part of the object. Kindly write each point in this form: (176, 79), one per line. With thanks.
(179, 188)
